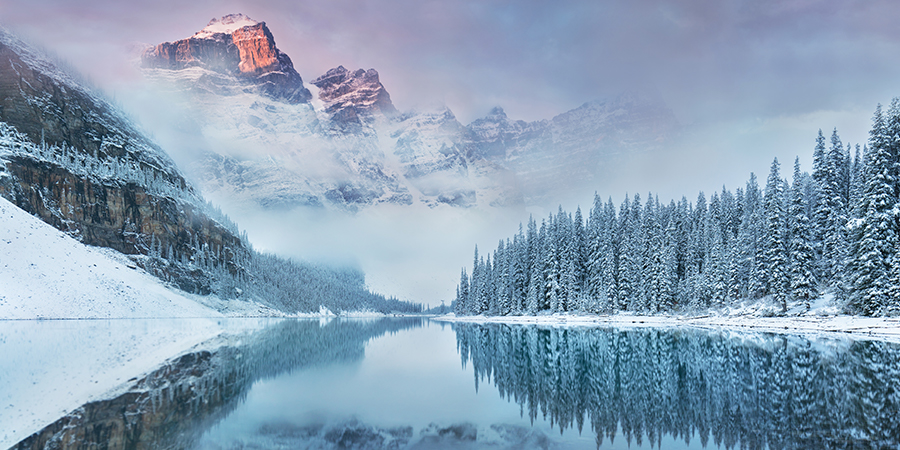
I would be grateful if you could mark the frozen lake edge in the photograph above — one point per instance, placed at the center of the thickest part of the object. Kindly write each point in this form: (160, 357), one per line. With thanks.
(855, 327)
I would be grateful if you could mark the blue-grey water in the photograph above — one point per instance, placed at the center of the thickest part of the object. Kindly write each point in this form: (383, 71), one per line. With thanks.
(412, 383)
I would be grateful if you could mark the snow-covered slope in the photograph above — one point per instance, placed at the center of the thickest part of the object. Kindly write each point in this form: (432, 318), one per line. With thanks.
(46, 274)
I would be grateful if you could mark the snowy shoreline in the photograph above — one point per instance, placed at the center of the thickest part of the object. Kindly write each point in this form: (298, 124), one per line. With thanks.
(854, 327)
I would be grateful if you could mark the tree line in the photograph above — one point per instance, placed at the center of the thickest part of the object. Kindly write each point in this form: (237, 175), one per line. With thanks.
(834, 231)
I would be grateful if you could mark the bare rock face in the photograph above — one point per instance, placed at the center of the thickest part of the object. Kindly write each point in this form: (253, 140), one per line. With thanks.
(353, 98)
(238, 46)
(58, 142)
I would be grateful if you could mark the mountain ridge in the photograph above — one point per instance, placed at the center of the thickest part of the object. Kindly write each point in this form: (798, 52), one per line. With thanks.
(377, 154)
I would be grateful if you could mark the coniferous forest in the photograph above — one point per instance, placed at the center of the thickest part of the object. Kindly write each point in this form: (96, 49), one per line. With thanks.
(798, 237)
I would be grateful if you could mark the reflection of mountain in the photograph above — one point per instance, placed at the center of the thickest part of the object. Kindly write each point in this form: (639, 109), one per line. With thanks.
(763, 391)
(269, 141)
(173, 406)
(353, 434)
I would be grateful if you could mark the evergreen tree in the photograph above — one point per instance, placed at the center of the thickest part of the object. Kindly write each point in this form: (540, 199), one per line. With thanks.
(462, 295)
(753, 242)
(874, 239)
(576, 252)
(519, 276)
(802, 253)
(775, 247)
(629, 254)
(595, 250)
(551, 268)
(831, 214)
(820, 215)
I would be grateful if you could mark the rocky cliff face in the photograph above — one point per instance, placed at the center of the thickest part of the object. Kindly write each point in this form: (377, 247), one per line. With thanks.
(234, 45)
(70, 158)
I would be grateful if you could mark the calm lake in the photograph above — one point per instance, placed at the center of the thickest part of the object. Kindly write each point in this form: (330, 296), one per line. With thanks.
(413, 383)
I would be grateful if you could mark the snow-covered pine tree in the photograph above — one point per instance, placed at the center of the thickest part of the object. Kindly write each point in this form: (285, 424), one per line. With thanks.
(594, 290)
(668, 280)
(577, 251)
(656, 288)
(519, 277)
(753, 246)
(489, 301)
(552, 293)
(532, 299)
(610, 239)
(873, 241)
(777, 282)
(892, 138)
(831, 214)
(462, 295)
(802, 254)
(857, 183)
(629, 254)
(820, 216)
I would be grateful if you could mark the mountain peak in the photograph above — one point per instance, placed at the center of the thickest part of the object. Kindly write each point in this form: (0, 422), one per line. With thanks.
(348, 94)
(497, 113)
(235, 45)
(226, 25)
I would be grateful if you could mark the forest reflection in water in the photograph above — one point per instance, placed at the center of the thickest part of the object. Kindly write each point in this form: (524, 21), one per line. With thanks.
(397, 383)
(743, 390)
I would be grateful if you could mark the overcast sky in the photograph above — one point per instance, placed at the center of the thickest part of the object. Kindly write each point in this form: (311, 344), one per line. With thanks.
(535, 58)
(749, 80)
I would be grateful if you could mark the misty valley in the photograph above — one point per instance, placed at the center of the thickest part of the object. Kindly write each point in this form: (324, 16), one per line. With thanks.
(397, 383)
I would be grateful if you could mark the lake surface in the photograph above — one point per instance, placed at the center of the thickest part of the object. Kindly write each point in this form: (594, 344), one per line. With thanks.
(412, 383)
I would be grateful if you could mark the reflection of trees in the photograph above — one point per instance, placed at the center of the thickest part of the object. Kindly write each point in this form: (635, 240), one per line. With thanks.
(172, 406)
(754, 391)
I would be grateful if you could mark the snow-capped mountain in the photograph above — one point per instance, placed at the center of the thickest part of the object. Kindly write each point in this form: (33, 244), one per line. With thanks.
(74, 161)
(233, 47)
(345, 145)
(353, 100)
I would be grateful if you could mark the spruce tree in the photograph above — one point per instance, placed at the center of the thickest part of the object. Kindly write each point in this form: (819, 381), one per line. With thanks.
(775, 246)
(802, 253)
(462, 295)
(873, 236)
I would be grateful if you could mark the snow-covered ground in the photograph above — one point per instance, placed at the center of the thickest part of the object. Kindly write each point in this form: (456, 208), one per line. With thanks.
(46, 274)
(815, 322)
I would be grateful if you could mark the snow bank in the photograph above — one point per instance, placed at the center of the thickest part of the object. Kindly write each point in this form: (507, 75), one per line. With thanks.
(46, 274)
(856, 327)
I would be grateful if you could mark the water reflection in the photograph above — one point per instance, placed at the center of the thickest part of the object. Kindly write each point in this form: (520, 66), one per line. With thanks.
(174, 405)
(748, 391)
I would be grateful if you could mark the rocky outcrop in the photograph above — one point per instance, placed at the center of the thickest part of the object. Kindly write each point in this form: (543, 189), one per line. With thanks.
(69, 158)
(353, 98)
(124, 217)
(238, 46)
